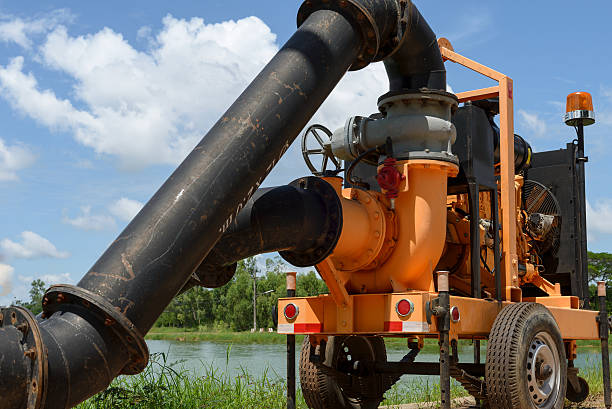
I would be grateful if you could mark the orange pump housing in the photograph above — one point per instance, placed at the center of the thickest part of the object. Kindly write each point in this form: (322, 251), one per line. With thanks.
(394, 250)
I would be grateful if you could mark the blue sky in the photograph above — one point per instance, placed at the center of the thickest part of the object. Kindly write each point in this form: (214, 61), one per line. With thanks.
(99, 101)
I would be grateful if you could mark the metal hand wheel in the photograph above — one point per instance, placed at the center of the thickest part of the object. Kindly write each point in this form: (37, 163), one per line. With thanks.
(321, 139)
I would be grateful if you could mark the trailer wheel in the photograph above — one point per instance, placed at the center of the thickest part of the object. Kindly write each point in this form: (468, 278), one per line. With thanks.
(526, 366)
(323, 391)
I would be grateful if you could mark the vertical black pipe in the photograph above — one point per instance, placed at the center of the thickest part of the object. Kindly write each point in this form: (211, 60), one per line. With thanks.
(496, 255)
(443, 329)
(603, 335)
(291, 286)
(473, 198)
(154, 256)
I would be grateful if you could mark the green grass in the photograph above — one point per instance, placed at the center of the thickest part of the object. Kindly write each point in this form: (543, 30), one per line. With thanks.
(166, 386)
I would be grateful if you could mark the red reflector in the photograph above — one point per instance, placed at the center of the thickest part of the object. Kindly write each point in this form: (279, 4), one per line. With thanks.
(455, 315)
(404, 307)
(291, 311)
(314, 327)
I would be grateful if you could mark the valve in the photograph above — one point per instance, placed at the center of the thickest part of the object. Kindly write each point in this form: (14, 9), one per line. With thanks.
(389, 179)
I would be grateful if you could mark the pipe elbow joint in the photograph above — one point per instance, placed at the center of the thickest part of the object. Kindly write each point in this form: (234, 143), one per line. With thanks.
(377, 22)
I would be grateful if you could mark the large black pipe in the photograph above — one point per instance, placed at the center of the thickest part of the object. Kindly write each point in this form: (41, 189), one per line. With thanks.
(98, 324)
(302, 221)
(176, 229)
(92, 332)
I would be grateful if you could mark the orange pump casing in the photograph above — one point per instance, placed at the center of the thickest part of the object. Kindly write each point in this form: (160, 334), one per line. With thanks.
(393, 250)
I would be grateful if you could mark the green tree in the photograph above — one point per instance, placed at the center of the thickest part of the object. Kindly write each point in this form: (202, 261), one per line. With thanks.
(37, 291)
(600, 269)
(231, 306)
(310, 285)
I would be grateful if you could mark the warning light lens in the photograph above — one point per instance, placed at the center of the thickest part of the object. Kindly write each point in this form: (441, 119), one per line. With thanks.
(579, 101)
(455, 314)
(579, 109)
(291, 311)
(404, 307)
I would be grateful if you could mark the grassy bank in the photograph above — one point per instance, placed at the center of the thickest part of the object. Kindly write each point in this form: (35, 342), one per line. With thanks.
(222, 336)
(165, 386)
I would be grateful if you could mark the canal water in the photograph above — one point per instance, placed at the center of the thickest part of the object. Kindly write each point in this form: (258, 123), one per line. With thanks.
(257, 359)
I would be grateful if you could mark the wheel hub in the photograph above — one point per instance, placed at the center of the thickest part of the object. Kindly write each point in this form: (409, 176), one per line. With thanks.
(543, 371)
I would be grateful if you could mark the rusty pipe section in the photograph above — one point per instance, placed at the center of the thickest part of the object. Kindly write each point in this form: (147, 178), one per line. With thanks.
(301, 220)
(92, 332)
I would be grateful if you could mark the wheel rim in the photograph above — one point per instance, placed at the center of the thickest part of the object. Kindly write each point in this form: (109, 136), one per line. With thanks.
(353, 349)
(543, 371)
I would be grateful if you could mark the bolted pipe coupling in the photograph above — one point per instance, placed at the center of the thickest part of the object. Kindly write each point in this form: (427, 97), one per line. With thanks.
(377, 21)
(23, 360)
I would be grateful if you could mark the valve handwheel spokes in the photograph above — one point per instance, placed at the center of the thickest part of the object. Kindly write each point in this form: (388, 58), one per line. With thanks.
(322, 146)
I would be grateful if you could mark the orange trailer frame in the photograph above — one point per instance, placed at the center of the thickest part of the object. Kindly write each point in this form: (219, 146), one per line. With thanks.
(375, 314)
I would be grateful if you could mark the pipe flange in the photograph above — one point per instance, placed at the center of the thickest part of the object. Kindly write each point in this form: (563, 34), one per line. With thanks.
(34, 352)
(333, 208)
(60, 296)
(424, 95)
(359, 17)
(378, 230)
(394, 42)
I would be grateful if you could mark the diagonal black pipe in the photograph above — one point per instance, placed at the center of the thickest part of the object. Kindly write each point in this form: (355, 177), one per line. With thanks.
(93, 332)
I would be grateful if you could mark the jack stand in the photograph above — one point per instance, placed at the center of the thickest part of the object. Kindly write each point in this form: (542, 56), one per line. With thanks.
(477, 361)
(443, 314)
(291, 285)
(603, 335)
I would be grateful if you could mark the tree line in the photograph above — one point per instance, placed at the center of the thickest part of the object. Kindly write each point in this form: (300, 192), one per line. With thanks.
(231, 306)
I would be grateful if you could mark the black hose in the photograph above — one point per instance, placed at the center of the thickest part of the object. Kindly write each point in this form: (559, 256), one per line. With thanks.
(349, 171)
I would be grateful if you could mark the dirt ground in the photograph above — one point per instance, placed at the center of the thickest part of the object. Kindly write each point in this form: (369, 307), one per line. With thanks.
(593, 402)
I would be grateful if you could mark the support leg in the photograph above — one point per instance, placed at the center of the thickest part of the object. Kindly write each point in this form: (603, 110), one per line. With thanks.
(477, 361)
(291, 284)
(443, 315)
(603, 335)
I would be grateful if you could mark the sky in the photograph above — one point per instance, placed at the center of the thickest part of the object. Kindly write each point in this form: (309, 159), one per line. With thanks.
(100, 101)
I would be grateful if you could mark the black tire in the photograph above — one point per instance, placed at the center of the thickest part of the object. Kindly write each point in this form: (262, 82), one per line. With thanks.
(322, 391)
(578, 397)
(526, 367)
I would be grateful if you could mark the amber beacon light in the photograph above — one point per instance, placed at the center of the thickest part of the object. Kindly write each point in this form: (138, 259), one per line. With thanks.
(579, 109)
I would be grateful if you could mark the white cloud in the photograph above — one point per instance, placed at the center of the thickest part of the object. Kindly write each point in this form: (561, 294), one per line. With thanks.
(12, 159)
(599, 217)
(48, 279)
(32, 246)
(125, 209)
(6, 279)
(88, 221)
(143, 107)
(19, 31)
(532, 122)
